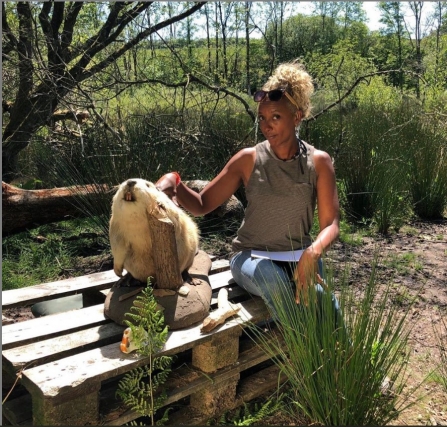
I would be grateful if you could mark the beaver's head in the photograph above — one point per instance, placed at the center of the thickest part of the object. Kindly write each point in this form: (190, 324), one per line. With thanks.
(134, 189)
(138, 195)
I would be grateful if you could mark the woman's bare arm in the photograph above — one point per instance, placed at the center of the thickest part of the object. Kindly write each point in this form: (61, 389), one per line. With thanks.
(328, 216)
(221, 188)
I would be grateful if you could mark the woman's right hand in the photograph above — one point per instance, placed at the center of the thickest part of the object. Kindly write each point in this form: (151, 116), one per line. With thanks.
(168, 184)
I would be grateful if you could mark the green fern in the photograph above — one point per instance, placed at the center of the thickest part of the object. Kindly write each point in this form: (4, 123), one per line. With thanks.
(141, 389)
(250, 413)
(259, 412)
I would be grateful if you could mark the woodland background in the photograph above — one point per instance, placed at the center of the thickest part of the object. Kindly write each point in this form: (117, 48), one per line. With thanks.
(95, 93)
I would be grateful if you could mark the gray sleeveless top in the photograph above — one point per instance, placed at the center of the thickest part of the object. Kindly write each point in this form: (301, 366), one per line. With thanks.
(281, 198)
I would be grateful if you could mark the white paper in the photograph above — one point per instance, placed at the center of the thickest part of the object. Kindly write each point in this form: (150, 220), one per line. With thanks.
(291, 256)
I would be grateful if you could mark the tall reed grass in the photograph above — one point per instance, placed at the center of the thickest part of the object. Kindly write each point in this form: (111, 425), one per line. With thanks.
(390, 157)
(337, 371)
(196, 140)
(428, 169)
(440, 332)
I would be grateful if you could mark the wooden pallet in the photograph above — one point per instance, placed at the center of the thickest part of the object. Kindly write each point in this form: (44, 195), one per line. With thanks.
(70, 363)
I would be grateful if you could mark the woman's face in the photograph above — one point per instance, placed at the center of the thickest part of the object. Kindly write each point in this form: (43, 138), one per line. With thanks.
(277, 122)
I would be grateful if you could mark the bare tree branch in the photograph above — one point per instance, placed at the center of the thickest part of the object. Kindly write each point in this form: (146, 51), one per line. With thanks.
(348, 92)
(35, 104)
(142, 35)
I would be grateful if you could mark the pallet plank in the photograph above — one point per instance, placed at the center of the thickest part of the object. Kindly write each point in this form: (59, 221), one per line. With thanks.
(50, 349)
(62, 288)
(46, 350)
(35, 329)
(96, 281)
(98, 364)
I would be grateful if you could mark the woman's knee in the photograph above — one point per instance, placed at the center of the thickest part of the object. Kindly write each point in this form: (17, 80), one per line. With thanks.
(242, 272)
(256, 275)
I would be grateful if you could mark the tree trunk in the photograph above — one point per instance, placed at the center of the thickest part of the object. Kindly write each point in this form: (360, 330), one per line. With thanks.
(23, 209)
(41, 90)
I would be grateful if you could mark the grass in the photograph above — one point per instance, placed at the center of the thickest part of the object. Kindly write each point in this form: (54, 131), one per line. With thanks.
(48, 253)
(440, 332)
(404, 263)
(350, 234)
(336, 370)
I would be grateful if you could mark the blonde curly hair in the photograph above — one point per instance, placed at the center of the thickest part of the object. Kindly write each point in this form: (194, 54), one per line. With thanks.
(293, 77)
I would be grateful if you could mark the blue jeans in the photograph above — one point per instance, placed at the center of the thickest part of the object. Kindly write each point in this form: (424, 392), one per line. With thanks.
(273, 281)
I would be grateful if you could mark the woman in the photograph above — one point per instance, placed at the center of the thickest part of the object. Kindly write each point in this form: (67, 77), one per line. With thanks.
(284, 178)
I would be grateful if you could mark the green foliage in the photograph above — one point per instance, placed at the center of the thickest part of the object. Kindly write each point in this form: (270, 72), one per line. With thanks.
(336, 370)
(306, 34)
(350, 234)
(251, 413)
(48, 253)
(428, 169)
(435, 58)
(335, 72)
(440, 332)
(147, 323)
(140, 388)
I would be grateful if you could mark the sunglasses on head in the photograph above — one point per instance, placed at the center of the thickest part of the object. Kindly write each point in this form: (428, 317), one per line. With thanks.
(273, 95)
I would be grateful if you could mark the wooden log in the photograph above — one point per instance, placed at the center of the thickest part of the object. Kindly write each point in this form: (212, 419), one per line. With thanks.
(22, 209)
(165, 252)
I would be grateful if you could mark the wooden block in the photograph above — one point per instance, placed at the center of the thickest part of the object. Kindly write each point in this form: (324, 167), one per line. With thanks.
(219, 352)
(81, 410)
(215, 399)
(165, 254)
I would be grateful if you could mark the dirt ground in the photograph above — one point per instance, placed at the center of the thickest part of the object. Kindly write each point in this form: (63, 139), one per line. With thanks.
(415, 261)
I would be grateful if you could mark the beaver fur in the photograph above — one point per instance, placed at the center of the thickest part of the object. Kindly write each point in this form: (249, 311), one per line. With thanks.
(129, 233)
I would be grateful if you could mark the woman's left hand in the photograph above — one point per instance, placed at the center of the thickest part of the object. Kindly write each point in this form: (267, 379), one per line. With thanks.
(306, 273)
